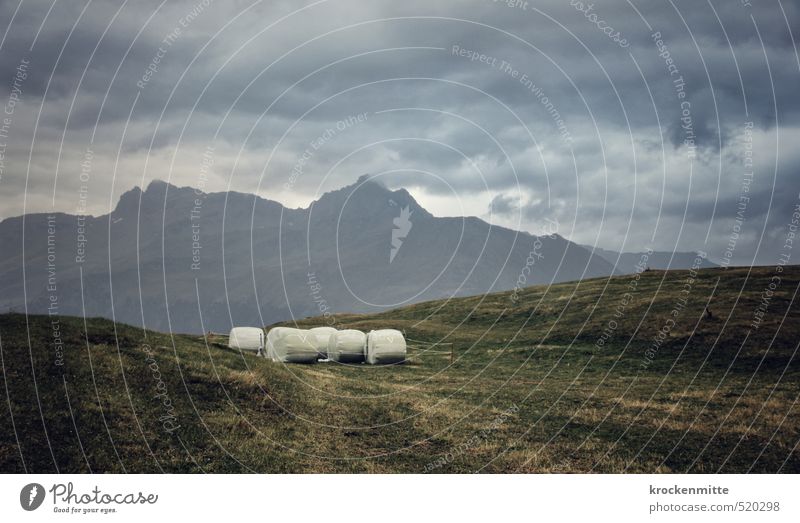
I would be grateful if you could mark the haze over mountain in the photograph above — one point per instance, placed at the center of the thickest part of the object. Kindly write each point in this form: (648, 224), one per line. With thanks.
(626, 262)
(177, 259)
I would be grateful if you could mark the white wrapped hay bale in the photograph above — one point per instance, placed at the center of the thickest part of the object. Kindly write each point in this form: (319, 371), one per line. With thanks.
(272, 336)
(386, 346)
(290, 345)
(347, 346)
(247, 339)
(323, 335)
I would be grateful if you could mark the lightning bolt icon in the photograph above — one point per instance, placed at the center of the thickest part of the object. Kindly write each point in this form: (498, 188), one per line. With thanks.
(32, 495)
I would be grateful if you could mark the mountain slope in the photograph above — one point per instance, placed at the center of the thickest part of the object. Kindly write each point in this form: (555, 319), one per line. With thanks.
(528, 389)
(626, 262)
(176, 259)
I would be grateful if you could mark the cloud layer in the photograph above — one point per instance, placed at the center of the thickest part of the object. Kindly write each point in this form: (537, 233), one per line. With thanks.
(522, 114)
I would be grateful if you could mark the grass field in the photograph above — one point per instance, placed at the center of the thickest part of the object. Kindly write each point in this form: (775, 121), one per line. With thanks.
(531, 388)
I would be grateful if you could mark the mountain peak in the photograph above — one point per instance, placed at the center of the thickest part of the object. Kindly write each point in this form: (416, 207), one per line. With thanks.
(364, 178)
(136, 201)
(129, 200)
(156, 185)
(370, 197)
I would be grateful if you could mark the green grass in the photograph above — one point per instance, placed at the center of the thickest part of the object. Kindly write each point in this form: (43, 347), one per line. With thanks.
(529, 390)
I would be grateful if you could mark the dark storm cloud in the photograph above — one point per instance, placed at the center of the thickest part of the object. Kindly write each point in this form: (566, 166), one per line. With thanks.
(528, 111)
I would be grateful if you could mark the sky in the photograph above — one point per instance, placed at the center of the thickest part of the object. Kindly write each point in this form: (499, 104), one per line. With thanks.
(629, 125)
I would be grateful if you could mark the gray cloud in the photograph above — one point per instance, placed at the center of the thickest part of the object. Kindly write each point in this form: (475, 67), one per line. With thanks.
(557, 121)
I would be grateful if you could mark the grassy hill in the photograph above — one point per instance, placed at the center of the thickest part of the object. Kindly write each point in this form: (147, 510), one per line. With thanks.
(574, 377)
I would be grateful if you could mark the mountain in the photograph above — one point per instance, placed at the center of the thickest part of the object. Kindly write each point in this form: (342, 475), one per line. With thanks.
(626, 262)
(180, 260)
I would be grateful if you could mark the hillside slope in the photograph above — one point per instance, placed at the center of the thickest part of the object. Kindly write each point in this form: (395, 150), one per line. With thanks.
(625, 262)
(530, 388)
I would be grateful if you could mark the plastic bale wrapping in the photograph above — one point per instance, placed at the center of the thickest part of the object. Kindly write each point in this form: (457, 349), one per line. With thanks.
(249, 339)
(347, 346)
(323, 335)
(386, 346)
(290, 345)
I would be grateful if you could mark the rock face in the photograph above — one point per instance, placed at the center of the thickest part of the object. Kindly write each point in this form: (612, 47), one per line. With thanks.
(176, 259)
